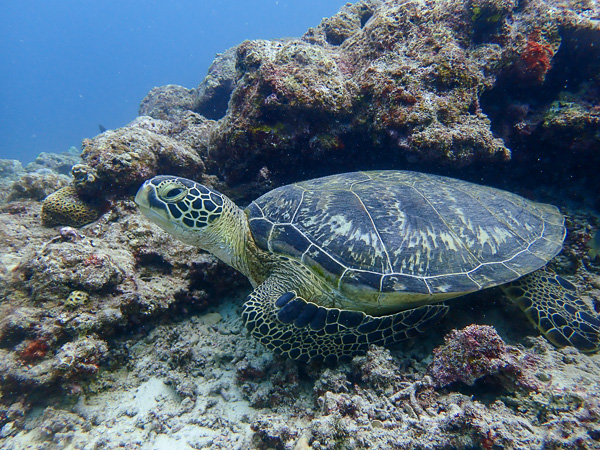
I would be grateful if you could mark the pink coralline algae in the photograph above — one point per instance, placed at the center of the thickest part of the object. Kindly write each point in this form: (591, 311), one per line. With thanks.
(478, 351)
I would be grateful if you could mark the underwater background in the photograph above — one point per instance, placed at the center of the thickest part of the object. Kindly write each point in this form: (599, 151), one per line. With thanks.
(115, 334)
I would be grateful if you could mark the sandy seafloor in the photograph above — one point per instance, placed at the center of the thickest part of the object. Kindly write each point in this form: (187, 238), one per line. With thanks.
(166, 397)
(138, 405)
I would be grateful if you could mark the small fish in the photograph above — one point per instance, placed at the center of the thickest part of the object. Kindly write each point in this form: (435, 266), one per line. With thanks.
(102, 128)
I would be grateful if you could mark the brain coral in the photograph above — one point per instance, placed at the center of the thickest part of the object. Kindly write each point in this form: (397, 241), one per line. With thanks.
(65, 207)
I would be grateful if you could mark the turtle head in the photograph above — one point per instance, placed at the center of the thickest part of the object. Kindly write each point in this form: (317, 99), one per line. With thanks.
(182, 207)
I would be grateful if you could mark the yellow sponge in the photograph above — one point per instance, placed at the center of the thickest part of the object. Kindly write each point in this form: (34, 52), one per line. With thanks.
(65, 207)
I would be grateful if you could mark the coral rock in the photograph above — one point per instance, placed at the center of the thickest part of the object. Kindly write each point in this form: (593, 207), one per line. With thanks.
(216, 88)
(381, 83)
(10, 168)
(475, 352)
(119, 161)
(36, 185)
(57, 162)
(53, 272)
(167, 101)
(81, 357)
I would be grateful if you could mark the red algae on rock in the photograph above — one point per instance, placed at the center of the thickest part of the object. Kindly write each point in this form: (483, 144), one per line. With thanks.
(478, 351)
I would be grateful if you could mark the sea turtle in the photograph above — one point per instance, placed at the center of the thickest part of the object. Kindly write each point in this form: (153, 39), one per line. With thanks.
(341, 262)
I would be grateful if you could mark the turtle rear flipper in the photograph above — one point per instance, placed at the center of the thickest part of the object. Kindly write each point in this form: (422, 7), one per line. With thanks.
(303, 330)
(553, 305)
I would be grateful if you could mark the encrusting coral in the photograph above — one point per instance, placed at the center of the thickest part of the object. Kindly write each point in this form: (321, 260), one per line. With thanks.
(116, 162)
(76, 299)
(66, 207)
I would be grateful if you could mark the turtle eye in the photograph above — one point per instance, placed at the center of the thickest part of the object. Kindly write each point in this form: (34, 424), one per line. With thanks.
(172, 193)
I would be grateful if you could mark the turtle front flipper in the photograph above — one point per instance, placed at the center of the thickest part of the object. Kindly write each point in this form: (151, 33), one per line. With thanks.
(552, 304)
(289, 325)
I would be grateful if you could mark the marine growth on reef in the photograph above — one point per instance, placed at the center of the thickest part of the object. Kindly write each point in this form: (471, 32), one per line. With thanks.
(114, 334)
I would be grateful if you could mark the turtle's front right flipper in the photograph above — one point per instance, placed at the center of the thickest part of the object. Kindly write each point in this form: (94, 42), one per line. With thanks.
(553, 305)
(289, 325)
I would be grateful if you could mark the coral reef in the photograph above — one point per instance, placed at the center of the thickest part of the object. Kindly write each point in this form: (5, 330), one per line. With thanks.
(48, 173)
(10, 168)
(280, 81)
(117, 162)
(379, 84)
(60, 163)
(116, 335)
(209, 99)
(204, 381)
(543, 104)
(32, 367)
(167, 101)
(216, 88)
(55, 270)
(58, 286)
(182, 388)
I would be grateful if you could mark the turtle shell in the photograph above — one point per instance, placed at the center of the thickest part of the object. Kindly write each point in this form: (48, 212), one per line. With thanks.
(415, 235)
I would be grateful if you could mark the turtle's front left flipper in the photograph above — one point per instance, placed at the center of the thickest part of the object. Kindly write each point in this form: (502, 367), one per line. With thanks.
(303, 330)
(553, 305)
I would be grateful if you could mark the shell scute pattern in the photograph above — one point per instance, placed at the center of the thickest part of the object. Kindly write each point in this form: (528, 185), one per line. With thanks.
(323, 217)
(287, 240)
(407, 231)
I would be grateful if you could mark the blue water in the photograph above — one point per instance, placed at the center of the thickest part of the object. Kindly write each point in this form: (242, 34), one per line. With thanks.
(70, 65)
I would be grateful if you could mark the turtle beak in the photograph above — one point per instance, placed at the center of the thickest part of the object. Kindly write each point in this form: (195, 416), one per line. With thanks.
(146, 197)
(153, 208)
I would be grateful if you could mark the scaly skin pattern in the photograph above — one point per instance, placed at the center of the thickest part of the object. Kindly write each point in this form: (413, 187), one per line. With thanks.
(553, 305)
(286, 323)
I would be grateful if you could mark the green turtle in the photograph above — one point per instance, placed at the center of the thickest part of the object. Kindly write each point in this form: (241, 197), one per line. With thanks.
(345, 261)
